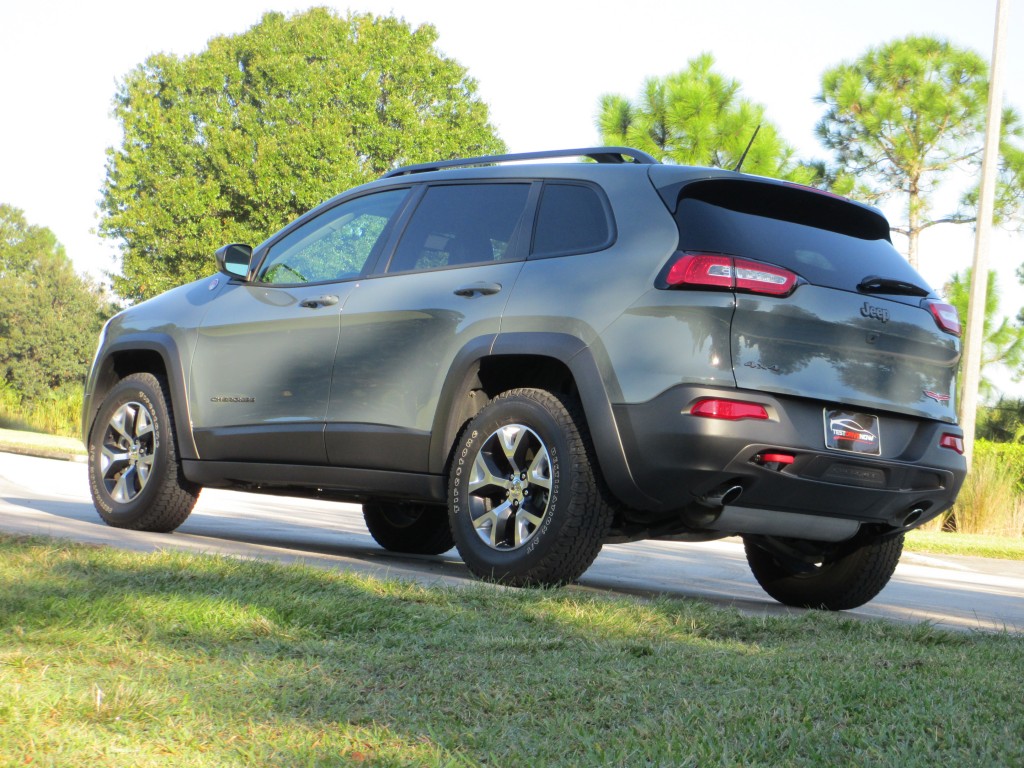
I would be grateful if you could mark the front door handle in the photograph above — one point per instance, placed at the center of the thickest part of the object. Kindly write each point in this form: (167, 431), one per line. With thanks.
(478, 289)
(319, 301)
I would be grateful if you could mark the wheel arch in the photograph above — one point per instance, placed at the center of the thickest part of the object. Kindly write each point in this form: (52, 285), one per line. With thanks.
(150, 353)
(554, 362)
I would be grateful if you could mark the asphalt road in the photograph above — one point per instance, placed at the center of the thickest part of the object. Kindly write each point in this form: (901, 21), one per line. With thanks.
(50, 498)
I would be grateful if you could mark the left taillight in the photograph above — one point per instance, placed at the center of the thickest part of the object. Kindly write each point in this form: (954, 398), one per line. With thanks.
(728, 410)
(709, 270)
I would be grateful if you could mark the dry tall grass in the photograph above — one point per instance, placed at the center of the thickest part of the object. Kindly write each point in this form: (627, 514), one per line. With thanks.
(990, 501)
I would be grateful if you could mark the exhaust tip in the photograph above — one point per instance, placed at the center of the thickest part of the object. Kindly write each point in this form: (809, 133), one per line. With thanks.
(913, 516)
(731, 494)
(725, 494)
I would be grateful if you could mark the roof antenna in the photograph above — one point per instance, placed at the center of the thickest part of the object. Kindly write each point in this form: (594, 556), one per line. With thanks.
(744, 155)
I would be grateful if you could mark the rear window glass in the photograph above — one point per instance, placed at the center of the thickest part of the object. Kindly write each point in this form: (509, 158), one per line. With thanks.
(572, 219)
(825, 240)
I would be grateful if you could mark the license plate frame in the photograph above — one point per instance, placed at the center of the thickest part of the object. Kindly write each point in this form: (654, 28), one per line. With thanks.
(852, 432)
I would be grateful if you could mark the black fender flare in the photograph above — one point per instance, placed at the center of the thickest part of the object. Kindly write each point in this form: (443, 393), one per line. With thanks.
(101, 378)
(596, 397)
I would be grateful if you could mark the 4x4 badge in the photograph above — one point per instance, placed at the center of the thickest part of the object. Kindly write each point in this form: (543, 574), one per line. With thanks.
(936, 396)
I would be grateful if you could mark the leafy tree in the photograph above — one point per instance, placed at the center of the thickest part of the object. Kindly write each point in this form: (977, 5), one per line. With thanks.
(697, 117)
(49, 316)
(1002, 339)
(903, 117)
(230, 144)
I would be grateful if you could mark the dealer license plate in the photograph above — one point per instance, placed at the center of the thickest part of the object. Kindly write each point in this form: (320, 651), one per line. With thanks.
(852, 432)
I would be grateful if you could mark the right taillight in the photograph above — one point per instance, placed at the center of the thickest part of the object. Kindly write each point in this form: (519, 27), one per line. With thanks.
(952, 442)
(706, 270)
(946, 316)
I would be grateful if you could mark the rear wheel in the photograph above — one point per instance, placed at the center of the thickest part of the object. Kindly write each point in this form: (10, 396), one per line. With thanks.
(527, 506)
(808, 575)
(135, 476)
(420, 529)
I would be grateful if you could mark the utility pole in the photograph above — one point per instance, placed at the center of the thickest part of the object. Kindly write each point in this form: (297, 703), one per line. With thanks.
(986, 204)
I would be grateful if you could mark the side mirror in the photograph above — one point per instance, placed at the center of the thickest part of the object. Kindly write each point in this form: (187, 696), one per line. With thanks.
(235, 260)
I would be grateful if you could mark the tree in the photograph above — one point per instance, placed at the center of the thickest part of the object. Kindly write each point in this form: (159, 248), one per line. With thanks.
(230, 144)
(1002, 339)
(49, 316)
(906, 115)
(697, 117)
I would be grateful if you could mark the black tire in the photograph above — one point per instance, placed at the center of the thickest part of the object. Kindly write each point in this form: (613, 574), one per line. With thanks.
(135, 476)
(836, 582)
(418, 529)
(528, 441)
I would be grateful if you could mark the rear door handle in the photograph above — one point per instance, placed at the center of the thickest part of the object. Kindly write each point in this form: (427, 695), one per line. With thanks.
(319, 301)
(478, 289)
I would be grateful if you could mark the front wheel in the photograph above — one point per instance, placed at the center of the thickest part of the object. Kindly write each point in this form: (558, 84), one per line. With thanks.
(526, 503)
(805, 575)
(135, 476)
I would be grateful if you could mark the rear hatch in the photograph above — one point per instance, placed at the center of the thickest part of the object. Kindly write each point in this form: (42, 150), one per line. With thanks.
(826, 308)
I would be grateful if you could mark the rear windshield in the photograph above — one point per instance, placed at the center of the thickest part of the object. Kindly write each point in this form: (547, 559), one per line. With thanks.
(825, 240)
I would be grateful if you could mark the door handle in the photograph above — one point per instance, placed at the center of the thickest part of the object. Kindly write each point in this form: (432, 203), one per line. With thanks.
(319, 301)
(478, 289)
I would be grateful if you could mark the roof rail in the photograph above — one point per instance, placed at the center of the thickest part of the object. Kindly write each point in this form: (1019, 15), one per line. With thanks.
(598, 154)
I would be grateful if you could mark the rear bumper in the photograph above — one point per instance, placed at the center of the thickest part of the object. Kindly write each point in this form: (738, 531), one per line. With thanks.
(679, 459)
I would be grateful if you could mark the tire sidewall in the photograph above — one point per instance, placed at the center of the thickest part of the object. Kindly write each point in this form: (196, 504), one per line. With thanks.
(132, 389)
(514, 409)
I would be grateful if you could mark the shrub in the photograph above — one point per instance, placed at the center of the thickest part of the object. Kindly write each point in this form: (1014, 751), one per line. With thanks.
(992, 499)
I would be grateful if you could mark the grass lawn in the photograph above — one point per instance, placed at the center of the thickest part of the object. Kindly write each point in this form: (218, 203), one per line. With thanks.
(122, 659)
(969, 544)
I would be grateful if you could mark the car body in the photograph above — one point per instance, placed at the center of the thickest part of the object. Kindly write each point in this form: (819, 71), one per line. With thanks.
(650, 350)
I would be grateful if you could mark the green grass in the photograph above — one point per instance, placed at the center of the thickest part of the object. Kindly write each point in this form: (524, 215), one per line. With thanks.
(120, 659)
(969, 544)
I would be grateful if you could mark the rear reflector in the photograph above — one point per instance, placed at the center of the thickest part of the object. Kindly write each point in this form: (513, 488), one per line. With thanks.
(953, 442)
(705, 270)
(946, 316)
(730, 410)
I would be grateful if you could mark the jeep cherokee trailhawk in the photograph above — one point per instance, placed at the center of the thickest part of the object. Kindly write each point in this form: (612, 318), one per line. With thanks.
(527, 361)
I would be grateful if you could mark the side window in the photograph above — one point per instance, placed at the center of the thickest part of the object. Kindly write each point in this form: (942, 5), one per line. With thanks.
(571, 219)
(461, 224)
(334, 245)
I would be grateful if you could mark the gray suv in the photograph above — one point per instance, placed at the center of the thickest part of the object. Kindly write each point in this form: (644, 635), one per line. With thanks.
(527, 361)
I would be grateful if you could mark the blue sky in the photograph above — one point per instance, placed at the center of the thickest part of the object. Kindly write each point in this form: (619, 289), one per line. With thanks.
(541, 66)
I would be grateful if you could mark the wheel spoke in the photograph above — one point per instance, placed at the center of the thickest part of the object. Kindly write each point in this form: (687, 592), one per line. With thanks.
(117, 422)
(485, 475)
(144, 466)
(539, 472)
(111, 460)
(143, 423)
(510, 438)
(526, 524)
(122, 490)
(490, 526)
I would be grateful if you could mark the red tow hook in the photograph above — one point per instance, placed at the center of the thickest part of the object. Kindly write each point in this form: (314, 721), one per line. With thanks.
(774, 460)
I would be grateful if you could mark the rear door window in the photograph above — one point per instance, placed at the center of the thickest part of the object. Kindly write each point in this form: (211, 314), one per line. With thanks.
(460, 224)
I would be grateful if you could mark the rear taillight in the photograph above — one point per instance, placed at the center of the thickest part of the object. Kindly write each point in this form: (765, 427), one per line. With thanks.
(946, 316)
(705, 270)
(730, 410)
(953, 442)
